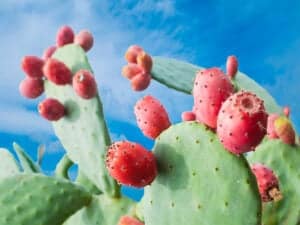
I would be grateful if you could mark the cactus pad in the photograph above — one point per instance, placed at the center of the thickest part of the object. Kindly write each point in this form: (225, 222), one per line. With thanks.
(8, 165)
(180, 75)
(83, 131)
(199, 182)
(102, 211)
(284, 160)
(32, 199)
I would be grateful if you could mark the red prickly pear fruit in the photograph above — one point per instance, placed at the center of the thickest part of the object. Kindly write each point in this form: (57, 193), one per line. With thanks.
(51, 109)
(32, 66)
(270, 126)
(285, 131)
(131, 164)
(131, 70)
(128, 220)
(211, 89)
(145, 61)
(231, 66)
(267, 183)
(49, 52)
(84, 84)
(242, 122)
(132, 52)
(31, 88)
(65, 35)
(140, 81)
(286, 111)
(151, 116)
(188, 116)
(85, 39)
(57, 72)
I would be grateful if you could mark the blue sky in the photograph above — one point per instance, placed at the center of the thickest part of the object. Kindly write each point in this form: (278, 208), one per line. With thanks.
(265, 35)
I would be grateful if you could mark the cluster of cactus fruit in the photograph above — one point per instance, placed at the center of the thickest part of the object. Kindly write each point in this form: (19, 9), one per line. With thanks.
(197, 172)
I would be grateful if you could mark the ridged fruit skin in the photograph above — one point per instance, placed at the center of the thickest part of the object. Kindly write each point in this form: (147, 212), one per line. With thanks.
(140, 81)
(49, 52)
(231, 66)
(271, 132)
(128, 220)
(32, 66)
(242, 122)
(211, 88)
(132, 53)
(51, 109)
(131, 164)
(57, 72)
(65, 35)
(31, 88)
(151, 116)
(266, 181)
(188, 116)
(84, 84)
(85, 39)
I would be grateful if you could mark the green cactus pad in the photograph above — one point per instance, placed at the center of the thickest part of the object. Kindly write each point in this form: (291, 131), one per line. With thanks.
(284, 160)
(8, 165)
(180, 75)
(199, 182)
(34, 199)
(102, 211)
(83, 131)
(27, 163)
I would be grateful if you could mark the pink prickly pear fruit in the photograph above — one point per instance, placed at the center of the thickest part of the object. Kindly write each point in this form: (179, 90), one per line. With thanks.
(242, 122)
(49, 52)
(31, 88)
(145, 61)
(140, 81)
(131, 164)
(65, 35)
(285, 131)
(151, 116)
(131, 70)
(32, 66)
(268, 184)
(84, 84)
(231, 66)
(211, 89)
(51, 109)
(188, 116)
(128, 220)
(286, 111)
(85, 39)
(132, 53)
(270, 126)
(57, 72)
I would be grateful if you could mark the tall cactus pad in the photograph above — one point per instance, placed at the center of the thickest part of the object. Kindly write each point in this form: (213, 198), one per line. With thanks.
(33, 199)
(180, 76)
(102, 211)
(199, 182)
(8, 165)
(284, 160)
(82, 131)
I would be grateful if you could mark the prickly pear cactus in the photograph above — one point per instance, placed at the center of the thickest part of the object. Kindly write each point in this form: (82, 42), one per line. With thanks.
(190, 176)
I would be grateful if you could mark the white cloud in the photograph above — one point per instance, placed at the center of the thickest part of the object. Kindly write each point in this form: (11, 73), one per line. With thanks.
(29, 32)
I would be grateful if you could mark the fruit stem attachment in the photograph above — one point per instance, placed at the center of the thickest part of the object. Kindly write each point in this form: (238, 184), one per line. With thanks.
(275, 194)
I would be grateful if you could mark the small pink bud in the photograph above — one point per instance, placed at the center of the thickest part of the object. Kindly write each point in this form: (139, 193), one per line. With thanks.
(31, 88)
(132, 52)
(65, 35)
(84, 84)
(51, 109)
(145, 61)
(285, 130)
(130, 70)
(49, 52)
(32, 66)
(188, 116)
(57, 72)
(85, 39)
(286, 111)
(231, 66)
